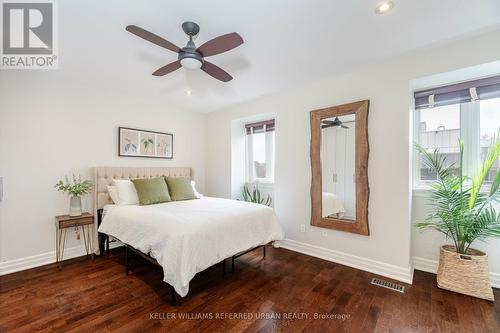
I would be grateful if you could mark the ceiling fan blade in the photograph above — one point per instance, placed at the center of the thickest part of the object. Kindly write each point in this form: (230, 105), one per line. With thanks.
(168, 68)
(151, 37)
(216, 72)
(344, 126)
(328, 122)
(220, 44)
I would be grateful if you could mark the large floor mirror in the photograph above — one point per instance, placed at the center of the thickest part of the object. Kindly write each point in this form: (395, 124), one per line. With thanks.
(339, 163)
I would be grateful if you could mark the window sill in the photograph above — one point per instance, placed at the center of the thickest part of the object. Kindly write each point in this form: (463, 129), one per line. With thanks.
(424, 190)
(263, 181)
(421, 191)
(269, 185)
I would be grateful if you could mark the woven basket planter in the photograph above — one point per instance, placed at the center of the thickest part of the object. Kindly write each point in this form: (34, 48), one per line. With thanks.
(464, 273)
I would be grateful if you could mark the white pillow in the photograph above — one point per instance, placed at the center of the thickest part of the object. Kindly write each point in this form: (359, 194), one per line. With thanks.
(127, 195)
(197, 194)
(113, 193)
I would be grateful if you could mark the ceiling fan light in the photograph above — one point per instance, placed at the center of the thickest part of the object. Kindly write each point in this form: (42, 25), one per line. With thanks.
(384, 7)
(190, 63)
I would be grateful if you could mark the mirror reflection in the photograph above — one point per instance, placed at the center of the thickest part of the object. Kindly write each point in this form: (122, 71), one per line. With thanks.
(338, 167)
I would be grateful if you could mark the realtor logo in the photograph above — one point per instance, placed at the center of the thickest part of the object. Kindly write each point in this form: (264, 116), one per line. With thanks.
(28, 35)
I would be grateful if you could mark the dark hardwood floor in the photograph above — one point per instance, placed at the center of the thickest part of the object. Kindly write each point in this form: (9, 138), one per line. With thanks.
(97, 296)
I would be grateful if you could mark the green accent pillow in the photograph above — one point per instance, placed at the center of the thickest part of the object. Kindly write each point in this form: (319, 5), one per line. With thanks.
(151, 190)
(180, 188)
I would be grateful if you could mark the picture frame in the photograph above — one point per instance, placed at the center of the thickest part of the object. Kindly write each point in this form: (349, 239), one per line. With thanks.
(134, 142)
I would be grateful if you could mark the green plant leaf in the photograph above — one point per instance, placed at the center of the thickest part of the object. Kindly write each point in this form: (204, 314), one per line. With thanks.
(461, 211)
(255, 195)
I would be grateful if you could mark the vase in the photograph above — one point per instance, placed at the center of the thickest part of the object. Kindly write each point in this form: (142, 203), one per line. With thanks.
(75, 206)
(464, 273)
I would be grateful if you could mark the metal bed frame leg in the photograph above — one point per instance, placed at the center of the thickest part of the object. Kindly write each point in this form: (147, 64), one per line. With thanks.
(103, 238)
(173, 300)
(239, 255)
(126, 260)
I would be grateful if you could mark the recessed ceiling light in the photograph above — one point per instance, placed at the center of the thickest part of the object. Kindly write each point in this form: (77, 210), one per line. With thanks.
(384, 7)
(188, 92)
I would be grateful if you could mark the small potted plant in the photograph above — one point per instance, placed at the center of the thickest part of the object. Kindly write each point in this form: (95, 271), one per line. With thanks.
(464, 213)
(254, 195)
(75, 189)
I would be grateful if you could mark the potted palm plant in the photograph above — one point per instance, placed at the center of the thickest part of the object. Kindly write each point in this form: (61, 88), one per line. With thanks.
(464, 213)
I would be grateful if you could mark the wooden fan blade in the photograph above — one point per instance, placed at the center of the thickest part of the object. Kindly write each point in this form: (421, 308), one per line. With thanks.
(151, 37)
(216, 72)
(168, 68)
(220, 44)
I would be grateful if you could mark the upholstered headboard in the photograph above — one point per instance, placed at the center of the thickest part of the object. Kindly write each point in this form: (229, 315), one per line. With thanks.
(103, 176)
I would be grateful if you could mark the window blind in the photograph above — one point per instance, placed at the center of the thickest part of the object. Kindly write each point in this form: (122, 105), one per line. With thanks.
(458, 93)
(260, 127)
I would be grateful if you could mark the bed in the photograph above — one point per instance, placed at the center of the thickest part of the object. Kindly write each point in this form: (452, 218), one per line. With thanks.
(183, 237)
(332, 206)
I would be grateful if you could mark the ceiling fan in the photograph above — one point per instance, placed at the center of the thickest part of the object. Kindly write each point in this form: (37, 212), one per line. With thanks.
(191, 57)
(334, 123)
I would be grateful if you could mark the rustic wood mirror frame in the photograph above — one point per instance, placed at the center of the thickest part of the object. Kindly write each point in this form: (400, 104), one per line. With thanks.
(360, 110)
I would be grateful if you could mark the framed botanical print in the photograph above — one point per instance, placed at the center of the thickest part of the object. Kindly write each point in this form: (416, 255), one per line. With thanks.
(133, 142)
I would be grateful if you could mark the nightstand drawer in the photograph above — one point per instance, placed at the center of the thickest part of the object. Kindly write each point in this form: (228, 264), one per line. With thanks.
(76, 222)
(66, 221)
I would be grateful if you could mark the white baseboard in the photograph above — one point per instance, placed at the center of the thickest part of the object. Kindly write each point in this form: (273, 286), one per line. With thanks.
(22, 264)
(404, 274)
(37, 260)
(495, 280)
(431, 266)
(426, 265)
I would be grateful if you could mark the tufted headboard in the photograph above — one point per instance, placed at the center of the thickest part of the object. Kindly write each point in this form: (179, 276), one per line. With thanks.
(103, 176)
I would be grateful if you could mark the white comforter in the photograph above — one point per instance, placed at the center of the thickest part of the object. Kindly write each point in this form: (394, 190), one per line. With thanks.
(186, 237)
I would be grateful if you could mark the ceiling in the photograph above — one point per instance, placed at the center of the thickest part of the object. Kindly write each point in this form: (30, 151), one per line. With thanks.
(287, 42)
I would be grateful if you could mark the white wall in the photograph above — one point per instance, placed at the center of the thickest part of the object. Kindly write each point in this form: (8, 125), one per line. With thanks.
(387, 249)
(51, 126)
(238, 157)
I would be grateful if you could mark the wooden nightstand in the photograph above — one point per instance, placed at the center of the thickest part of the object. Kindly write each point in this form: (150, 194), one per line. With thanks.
(64, 222)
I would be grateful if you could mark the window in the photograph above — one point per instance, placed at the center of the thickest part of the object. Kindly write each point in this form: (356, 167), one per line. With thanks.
(260, 151)
(488, 126)
(469, 111)
(440, 129)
